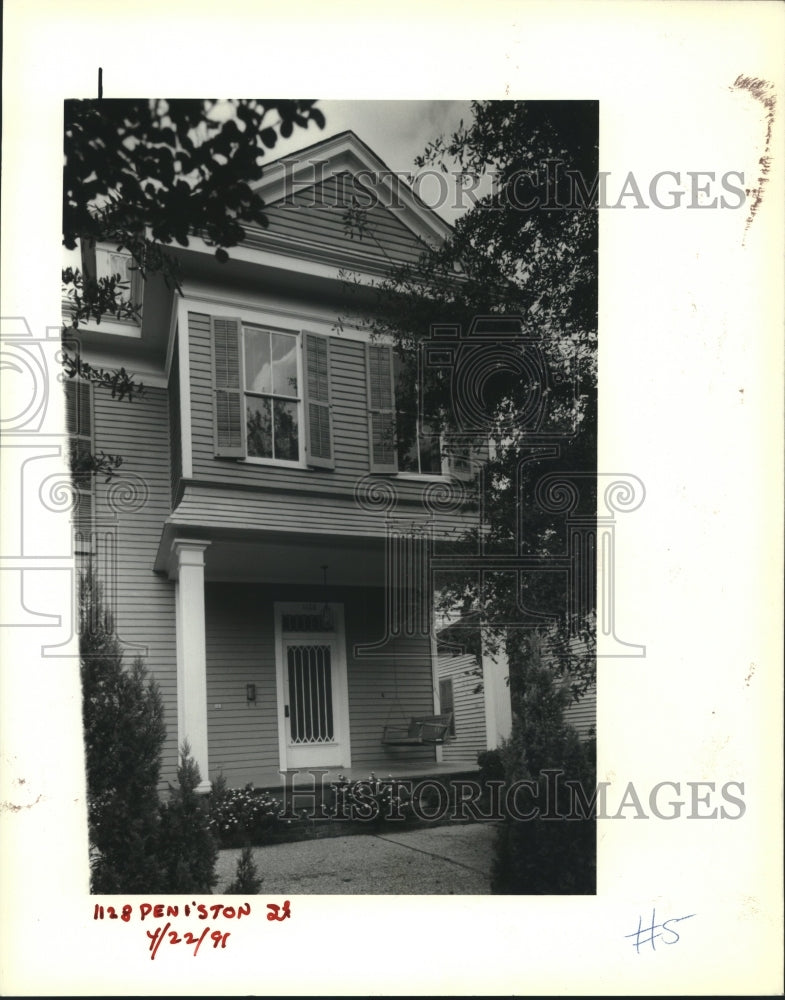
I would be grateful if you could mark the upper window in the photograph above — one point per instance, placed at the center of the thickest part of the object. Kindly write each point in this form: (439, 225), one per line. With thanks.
(418, 443)
(401, 438)
(100, 262)
(272, 397)
(273, 404)
(271, 394)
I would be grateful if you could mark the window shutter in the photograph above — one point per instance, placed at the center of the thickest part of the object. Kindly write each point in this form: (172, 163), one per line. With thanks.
(77, 408)
(79, 426)
(71, 409)
(381, 408)
(318, 411)
(228, 401)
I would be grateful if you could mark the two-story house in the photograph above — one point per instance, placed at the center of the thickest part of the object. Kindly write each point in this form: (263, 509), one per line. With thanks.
(265, 545)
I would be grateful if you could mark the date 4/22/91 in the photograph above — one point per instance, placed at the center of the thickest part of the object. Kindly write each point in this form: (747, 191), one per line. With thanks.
(188, 939)
(217, 937)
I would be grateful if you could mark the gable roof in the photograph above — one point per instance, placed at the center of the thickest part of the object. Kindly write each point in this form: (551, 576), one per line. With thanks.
(307, 195)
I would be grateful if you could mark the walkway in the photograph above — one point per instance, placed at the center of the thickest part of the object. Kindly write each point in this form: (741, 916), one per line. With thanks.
(453, 859)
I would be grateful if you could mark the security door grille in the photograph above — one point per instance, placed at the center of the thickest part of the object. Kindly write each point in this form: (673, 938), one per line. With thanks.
(310, 693)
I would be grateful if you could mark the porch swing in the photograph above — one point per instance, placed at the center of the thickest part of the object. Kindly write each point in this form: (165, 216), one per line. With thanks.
(414, 731)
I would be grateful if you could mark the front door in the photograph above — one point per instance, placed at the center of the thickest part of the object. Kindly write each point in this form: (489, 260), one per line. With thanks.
(313, 713)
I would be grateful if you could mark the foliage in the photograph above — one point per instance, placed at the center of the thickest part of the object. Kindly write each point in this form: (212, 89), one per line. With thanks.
(526, 249)
(137, 844)
(124, 734)
(118, 381)
(525, 253)
(491, 765)
(247, 880)
(242, 815)
(371, 800)
(187, 848)
(541, 855)
(144, 174)
(173, 166)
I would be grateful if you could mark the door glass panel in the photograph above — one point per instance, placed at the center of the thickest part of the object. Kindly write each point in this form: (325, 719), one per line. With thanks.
(309, 670)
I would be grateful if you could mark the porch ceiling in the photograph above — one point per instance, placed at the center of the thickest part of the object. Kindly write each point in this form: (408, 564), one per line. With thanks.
(234, 556)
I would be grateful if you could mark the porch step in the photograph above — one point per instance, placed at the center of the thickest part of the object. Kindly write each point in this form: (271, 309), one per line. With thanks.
(309, 778)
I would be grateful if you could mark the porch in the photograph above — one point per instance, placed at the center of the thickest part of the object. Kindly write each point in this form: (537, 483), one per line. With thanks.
(280, 671)
(304, 779)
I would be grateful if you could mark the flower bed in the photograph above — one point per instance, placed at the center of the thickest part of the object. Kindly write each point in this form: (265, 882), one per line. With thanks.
(371, 800)
(240, 816)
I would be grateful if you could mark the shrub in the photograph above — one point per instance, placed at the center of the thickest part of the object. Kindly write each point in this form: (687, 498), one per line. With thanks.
(491, 765)
(240, 816)
(124, 733)
(544, 856)
(137, 845)
(187, 848)
(370, 800)
(247, 880)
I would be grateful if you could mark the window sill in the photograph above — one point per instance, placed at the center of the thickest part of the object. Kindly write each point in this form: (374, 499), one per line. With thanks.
(422, 476)
(276, 463)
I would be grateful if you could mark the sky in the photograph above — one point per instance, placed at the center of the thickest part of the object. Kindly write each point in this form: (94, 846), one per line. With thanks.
(397, 131)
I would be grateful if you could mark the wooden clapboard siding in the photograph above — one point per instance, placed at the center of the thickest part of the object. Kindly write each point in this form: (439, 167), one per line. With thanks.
(143, 603)
(468, 707)
(315, 216)
(243, 738)
(583, 714)
(350, 430)
(268, 512)
(390, 689)
(175, 436)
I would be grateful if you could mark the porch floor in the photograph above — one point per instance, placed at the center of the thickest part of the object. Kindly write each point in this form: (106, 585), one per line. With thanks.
(303, 777)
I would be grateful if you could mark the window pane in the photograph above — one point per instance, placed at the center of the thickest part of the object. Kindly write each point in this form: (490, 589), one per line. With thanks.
(418, 452)
(260, 438)
(284, 364)
(287, 442)
(430, 452)
(258, 372)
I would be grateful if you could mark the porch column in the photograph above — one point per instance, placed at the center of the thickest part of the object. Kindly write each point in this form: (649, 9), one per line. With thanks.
(498, 708)
(188, 572)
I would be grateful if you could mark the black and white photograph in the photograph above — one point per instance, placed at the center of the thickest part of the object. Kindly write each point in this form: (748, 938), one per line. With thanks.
(334, 464)
(378, 487)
